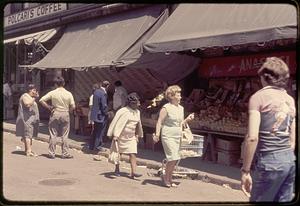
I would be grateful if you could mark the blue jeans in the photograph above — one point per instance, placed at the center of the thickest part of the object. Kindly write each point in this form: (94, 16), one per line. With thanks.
(274, 177)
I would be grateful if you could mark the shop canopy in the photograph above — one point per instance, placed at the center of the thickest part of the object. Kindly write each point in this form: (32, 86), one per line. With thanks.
(114, 40)
(193, 26)
(100, 42)
(41, 36)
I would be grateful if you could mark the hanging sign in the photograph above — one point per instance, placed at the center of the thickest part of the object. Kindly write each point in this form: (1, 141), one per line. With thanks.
(246, 65)
(33, 13)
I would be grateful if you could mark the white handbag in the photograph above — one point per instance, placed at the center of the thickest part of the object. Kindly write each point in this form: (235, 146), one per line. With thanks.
(187, 135)
(114, 155)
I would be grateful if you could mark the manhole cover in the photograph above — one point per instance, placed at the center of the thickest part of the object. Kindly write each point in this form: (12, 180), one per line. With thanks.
(57, 182)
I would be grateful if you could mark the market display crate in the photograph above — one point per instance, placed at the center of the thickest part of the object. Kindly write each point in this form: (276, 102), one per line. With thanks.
(194, 149)
(228, 158)
(228, 144)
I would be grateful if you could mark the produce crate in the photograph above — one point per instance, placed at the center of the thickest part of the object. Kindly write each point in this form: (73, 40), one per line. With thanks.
(228, 144)
(228, 158)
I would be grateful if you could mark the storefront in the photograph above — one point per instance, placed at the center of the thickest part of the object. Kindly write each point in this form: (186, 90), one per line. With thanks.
(231, 45)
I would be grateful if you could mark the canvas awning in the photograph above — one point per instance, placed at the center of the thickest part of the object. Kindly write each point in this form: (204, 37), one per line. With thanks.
(41, 36)
(103, 42)
(193, 26)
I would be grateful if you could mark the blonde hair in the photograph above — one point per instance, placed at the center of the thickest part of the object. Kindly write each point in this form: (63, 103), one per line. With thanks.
(171, 91)
(275, 71)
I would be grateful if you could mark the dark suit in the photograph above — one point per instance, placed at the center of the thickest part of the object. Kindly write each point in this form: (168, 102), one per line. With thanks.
(99, 117)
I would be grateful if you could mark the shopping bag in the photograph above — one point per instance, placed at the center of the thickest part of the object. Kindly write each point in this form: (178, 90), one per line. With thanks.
(187, 135)
(114, 155)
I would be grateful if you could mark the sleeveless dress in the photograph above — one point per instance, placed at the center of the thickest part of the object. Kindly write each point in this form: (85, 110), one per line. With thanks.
(172, 131)
(27, 122)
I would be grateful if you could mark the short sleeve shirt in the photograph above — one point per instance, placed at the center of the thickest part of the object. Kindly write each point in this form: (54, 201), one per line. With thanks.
(61, 99)
(277, 110)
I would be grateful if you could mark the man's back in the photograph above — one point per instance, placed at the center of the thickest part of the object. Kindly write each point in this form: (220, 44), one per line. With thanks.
(99, 108)
(61, 99)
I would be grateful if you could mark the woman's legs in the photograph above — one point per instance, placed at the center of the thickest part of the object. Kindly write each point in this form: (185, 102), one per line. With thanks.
(27, 144)
(133, 164)
(169, 171)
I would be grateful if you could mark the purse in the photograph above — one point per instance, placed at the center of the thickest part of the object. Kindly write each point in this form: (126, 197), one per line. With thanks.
(114, 155)
(187, 135)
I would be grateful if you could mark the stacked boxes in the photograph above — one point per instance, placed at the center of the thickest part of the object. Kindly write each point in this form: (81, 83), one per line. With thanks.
(228, 151)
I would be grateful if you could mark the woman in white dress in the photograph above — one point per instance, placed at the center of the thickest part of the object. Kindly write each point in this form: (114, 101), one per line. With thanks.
(169, 126)
(126, 129)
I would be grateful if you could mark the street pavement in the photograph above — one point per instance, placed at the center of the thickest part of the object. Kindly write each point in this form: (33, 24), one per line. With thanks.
(207, 171)
(83, 180)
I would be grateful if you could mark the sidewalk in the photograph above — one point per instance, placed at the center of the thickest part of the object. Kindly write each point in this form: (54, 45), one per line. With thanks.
(208, 171)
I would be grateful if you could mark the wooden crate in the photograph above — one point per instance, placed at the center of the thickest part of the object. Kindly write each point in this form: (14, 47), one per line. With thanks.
(228, 158)
(228, 144)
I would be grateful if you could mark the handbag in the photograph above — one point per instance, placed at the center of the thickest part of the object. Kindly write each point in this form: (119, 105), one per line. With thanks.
(187, 135)
(114, 155)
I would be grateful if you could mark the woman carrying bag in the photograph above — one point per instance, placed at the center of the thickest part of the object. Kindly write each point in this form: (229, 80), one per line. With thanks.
(170, 126)
(126, 129)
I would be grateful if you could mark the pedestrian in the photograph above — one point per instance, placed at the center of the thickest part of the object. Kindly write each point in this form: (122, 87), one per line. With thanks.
(62, 103)
(7, 98)
(120, 96)
(90, 122)
(27, 122)
(169, 126)
(270, 138)
(99, 116)
(126, 129)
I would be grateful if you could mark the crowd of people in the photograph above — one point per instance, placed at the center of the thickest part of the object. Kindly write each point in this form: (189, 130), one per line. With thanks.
(269, 143)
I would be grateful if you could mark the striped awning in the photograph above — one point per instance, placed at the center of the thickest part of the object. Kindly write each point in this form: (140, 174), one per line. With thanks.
(41, 36)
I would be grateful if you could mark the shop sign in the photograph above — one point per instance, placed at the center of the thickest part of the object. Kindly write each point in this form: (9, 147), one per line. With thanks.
(247, 65)
(33, 13)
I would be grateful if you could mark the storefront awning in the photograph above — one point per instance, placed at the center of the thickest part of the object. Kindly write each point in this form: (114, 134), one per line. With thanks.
(103, 42)
(193, 26)
(41, 36)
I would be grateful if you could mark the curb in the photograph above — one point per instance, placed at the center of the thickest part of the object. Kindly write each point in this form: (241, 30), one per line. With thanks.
(202, 176)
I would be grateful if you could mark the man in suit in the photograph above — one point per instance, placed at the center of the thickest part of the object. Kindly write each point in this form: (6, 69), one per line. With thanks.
(99, 116)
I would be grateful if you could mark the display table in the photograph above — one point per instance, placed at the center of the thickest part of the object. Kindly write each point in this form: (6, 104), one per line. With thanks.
(81, 125)
(209, 150)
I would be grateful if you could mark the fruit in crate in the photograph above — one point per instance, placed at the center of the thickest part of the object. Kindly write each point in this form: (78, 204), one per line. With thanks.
(187, 153)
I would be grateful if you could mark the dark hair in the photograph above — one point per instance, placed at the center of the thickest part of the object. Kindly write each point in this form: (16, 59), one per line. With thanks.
(275, 72)
(95, 86)
(59, 81)
(133, 97)
(30, 87)
(105, 83)
(118, 83)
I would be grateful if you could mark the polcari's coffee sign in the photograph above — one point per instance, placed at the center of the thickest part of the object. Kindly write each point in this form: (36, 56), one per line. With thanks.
(33, 13)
